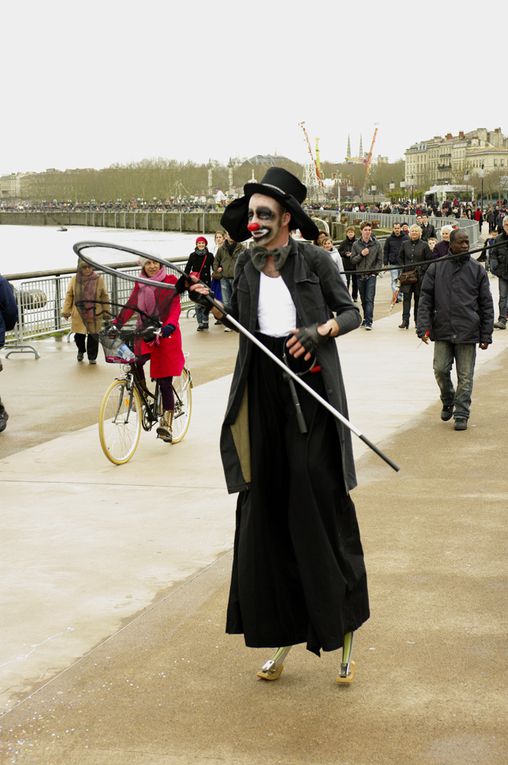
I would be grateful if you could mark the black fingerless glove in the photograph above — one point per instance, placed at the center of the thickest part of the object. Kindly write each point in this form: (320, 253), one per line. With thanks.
(310, 338)
(204, 300)
(182, 284)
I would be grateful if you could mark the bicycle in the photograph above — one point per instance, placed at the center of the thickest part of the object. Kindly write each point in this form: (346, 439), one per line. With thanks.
(129, 406)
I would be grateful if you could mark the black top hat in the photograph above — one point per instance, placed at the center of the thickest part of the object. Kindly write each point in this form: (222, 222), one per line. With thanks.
(282, 186)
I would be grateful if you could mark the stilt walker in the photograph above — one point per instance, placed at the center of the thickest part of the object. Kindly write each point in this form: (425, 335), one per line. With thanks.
(298, 571)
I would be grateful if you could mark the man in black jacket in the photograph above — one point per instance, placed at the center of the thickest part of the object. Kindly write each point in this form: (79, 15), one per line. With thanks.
(428, 229)
(8, 319)
(391, 252)
(499, 267)
(456, 312)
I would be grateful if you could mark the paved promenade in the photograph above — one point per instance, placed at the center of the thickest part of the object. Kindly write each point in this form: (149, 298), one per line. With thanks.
(115, 579)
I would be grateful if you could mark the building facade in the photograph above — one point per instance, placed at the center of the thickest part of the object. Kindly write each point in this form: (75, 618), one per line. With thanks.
(451, 159)
(11, 186)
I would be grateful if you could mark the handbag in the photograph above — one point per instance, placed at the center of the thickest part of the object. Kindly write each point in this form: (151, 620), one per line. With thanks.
(408, 277)
(197, 274)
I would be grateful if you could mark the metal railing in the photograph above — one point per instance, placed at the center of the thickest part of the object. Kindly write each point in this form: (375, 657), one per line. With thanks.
(40, 296)
(386, 220)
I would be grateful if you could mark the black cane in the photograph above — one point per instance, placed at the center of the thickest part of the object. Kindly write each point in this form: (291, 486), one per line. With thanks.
(80, 246)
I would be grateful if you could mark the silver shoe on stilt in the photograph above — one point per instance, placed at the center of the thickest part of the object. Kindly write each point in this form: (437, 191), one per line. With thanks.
(272, 669)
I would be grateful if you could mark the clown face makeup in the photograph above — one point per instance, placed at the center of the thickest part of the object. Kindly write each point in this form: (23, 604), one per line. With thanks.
(267, 222)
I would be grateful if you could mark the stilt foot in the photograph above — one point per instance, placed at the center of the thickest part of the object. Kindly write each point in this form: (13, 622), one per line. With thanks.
(346, 674)
(270, 671)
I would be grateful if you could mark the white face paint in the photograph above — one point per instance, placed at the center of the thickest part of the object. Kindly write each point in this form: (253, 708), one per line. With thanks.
(273, 224)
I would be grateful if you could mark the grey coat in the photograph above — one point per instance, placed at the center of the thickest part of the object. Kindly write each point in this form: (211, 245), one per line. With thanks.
(318, 294)
(365, 265)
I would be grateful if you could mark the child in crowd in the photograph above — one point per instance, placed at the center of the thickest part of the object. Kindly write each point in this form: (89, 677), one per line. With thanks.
(327, 244)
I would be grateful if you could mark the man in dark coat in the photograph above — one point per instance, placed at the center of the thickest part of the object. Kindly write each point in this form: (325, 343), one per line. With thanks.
(298, 571)
(456, 312)
(391, 254)
(8, 319)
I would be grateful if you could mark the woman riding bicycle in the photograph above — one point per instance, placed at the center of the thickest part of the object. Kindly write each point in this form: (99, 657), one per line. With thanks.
(157, 306)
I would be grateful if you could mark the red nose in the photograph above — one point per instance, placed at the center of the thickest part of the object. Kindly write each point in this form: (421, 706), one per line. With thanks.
(253, 226)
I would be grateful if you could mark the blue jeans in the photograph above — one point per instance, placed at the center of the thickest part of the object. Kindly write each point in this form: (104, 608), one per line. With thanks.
(464, 355)
(226, 286)
(367, 290)
(503, 298)
(202, 315)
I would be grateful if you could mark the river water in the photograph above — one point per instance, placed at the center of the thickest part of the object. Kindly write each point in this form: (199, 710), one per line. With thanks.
(24, 249)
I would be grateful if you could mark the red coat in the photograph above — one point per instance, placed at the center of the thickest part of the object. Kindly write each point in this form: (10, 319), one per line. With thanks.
(166, 355)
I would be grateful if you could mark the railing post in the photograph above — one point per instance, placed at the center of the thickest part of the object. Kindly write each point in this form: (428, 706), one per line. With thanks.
(58, 300)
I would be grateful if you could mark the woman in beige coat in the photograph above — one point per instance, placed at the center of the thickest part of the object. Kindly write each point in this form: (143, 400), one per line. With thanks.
(87, 303)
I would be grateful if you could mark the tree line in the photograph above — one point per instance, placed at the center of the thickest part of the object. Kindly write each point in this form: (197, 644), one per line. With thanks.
(165, 179)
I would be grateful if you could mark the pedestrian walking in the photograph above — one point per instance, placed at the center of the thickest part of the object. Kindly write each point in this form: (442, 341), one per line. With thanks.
(456, 312)
(412, 251)
(499, 267)
(367, 256)
(200, 264)
(345, 248)
(8, 319)
(87, 304)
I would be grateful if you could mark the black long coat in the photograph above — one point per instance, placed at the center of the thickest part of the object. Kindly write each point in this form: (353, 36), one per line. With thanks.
(318, 294)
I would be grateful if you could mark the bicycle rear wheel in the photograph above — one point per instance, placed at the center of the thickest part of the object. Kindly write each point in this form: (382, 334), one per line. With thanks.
(182, 388)
(120, 418)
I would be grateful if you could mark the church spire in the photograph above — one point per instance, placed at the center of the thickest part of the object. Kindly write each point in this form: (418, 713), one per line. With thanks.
(348, 151)
(360, 150)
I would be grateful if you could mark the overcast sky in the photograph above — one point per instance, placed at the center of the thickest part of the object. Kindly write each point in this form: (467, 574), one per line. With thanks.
(92, 83)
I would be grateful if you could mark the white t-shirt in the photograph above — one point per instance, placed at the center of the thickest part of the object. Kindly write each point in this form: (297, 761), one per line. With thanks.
(276, 310)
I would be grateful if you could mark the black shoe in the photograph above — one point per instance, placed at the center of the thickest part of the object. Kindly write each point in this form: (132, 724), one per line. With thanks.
(199, 328)
(404, 325)
(80, 356)
(500, 324)
(447, 413)
(92, 361)
(3, 420)
(460, 423)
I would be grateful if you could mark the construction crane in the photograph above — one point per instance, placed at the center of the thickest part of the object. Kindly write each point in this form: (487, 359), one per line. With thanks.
(368, 160)
(313, 180)
(318, 163)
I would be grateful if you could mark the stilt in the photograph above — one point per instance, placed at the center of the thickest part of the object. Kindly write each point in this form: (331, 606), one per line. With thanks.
(272, 669)
(347, 667)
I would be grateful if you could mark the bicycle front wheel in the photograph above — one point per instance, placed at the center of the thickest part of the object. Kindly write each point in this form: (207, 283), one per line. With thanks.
(120, 419)
(182, 389)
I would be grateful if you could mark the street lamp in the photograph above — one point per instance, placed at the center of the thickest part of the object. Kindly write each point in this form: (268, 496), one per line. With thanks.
(402, 185)
(339, 180)
(482, 173)
(373, 191)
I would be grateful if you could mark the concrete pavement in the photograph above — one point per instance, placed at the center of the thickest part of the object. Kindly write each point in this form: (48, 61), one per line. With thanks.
(115, 580)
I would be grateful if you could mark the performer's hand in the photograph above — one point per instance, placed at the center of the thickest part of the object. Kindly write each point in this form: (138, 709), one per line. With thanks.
(306, 340)
(484, 346)
(200, 293)
(167, 330)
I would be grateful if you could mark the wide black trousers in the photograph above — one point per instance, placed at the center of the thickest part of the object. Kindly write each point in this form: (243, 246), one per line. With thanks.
(298, 570)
